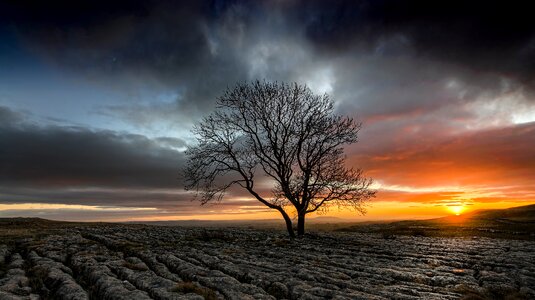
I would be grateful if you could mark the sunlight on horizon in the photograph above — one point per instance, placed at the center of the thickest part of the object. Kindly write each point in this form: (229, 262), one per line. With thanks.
(457, 209)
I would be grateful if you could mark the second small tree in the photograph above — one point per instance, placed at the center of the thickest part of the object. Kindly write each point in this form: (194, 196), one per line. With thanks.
(287, 134)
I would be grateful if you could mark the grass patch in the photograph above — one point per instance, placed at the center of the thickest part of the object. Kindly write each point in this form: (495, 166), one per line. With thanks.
(187, 287)
(37, 277)
(135, 267)
(210, 236)
(493, 293)
(232, 251)
(281, 242)
(35, 244)
(430, 228)
(128, 248)
(3, 269)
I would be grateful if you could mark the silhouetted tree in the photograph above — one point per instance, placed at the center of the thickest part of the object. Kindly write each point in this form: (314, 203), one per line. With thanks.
(287, 134)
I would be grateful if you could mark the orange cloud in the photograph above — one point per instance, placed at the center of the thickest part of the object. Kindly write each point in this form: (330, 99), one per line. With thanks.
(473, 167)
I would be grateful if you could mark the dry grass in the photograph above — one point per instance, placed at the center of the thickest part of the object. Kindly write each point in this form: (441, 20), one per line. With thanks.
(429, 228)
(494, 293)
(3, 269)
(135, 267)
(187, 287)
(37, 276)
(232, 251)
(281, 242)
(210, 236)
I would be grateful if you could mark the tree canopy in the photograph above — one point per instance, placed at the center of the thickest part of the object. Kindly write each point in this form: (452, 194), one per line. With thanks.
(284, 133)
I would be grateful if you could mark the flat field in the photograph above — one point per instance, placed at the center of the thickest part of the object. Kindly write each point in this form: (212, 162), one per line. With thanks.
(42, 259)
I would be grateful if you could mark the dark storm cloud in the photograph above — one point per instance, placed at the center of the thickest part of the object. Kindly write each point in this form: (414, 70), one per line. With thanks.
(51, 156)
(487, 35)
(74, 165)
(199, 48)
(171, 37)
(147, 43)
(71, 165)
(9, 117)
(165, 199)
(129, 197)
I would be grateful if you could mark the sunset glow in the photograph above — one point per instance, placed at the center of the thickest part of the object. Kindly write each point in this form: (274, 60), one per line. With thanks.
(456, 209)
(97, 107)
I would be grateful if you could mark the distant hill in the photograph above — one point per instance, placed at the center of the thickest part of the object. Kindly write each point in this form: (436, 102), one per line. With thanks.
(18, 225)
(27, 222)
(514, 214)
(516, 223)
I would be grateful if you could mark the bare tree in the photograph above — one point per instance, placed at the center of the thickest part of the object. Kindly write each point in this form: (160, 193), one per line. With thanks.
(285, 133)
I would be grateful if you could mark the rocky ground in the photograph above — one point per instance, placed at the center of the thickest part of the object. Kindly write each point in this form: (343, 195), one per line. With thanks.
(150, 262)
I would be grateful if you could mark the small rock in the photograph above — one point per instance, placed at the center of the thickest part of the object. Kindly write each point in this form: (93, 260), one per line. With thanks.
(278, 290)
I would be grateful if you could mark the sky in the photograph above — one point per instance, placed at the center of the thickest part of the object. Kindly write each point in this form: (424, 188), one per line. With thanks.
(97, 100)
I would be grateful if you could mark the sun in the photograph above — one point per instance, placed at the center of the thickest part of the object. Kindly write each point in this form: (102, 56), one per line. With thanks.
(456, 209)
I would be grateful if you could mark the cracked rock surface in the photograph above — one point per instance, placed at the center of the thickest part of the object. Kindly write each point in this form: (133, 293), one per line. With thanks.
(152, 262)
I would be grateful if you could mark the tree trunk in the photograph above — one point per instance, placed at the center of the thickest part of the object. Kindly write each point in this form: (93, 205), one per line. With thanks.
(300, 224)
(288, 221)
